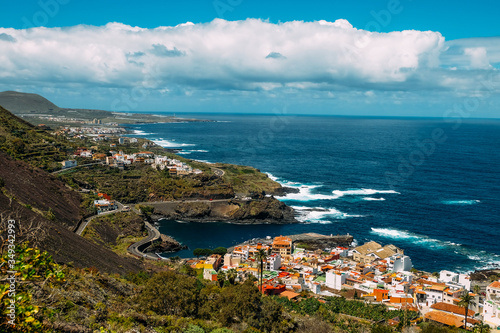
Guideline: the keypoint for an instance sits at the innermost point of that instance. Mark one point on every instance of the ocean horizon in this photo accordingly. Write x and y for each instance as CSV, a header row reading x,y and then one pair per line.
x,y
427,185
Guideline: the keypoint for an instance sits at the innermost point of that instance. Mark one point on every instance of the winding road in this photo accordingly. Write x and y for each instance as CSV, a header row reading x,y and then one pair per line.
x,y
153,234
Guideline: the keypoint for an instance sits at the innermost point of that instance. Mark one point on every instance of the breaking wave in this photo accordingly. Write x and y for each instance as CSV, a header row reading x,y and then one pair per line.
x,y
318,214
140,132
171,144
460,202
373,199
480,259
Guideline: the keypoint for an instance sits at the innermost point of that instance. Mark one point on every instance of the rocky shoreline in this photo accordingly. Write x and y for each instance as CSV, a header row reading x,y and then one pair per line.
x,y
266,210
313,241
165,244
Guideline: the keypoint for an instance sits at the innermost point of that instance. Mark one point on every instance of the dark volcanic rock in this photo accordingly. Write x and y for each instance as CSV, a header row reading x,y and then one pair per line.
x,y
167,244
265,210
282,191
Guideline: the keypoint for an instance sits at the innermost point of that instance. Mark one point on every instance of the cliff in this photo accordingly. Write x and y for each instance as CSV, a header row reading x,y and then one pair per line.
x,y
265,210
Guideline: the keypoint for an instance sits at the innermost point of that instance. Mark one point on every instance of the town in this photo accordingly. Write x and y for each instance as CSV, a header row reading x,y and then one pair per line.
x,y
100,153
370,272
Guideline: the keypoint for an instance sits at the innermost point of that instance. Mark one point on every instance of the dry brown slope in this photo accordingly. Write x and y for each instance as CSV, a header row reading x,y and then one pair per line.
x,y
24,185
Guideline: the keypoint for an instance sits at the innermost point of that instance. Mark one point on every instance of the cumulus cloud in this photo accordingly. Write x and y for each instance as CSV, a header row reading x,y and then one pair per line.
x,y
7,38
238,56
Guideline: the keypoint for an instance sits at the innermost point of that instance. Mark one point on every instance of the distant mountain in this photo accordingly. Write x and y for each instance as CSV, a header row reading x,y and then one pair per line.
x,y
18,102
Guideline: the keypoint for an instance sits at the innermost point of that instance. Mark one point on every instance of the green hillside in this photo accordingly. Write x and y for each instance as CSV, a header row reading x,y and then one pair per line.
x,y
26,142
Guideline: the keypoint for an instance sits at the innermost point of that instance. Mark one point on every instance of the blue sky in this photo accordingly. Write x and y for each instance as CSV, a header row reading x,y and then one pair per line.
x,y
328,57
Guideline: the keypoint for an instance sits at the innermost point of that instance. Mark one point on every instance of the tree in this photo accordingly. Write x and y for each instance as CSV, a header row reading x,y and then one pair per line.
x,y
465,301
261,256
482,328
198,252
221,277
231,275
220,250
170,293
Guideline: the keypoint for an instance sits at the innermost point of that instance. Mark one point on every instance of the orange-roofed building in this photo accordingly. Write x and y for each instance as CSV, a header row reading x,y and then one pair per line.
x,y
449,319
282,245
401,299
290,295
273,289
452,308
380,294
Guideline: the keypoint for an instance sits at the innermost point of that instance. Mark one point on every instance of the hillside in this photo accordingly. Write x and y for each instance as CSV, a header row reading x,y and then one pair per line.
x,y
19,102
26,142
47,212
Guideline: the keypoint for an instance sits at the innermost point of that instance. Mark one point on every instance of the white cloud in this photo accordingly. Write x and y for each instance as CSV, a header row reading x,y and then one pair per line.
x,y
218,55
324,60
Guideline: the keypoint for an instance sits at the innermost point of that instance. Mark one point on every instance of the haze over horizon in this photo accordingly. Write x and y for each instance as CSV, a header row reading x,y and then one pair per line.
x,y
387,58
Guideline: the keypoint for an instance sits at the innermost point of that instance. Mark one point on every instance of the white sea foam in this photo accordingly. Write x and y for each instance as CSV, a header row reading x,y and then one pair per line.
x,y
140,132
203,161
198,151
183,152
272,177
461,202
481,259
409,236
373,199
305,194
318,214
361,192
170,143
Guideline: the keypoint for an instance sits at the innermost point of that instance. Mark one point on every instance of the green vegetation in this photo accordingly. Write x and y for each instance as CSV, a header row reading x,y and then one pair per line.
x,y
116,231
23,141
246,180
141,183
202,252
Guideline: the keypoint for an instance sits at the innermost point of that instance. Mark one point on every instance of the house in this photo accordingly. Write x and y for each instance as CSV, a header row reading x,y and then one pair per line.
x,y
231,260
290,295
105,205
435,293
209,274
335,279
451,315
99,157
273,262
371,251
273,289
213,262
491,310
69,164
282,245
401,263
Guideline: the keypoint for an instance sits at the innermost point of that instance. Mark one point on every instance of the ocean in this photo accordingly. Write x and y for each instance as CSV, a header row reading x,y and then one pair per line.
x,y
429,186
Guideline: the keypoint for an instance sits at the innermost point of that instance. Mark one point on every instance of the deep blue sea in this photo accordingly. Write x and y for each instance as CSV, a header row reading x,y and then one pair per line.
x,y
429,186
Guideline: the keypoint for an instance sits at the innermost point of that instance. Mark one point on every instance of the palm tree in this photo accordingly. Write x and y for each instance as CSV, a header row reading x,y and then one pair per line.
x,y
221,277
482,328
465,301
231,275
261,256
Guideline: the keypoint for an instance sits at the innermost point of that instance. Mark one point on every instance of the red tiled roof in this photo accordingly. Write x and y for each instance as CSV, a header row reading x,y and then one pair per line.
x,y
452,308
495,284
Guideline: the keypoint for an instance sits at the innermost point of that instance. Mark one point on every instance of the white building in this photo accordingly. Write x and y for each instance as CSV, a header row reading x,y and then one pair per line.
x,y
273,262
491,310
335,280
455,280
402,263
